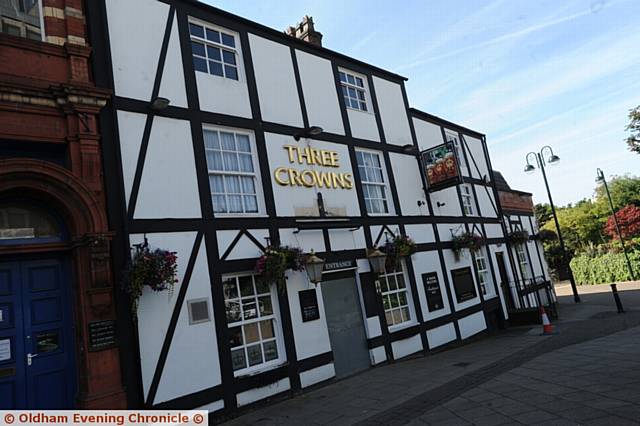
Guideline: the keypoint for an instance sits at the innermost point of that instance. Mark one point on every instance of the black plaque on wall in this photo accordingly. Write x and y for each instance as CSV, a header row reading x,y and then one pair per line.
x,y
463,284
309,305
433,292
102,335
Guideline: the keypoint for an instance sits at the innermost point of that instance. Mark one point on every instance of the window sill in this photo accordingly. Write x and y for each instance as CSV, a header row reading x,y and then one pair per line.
x,y
359,110
263,368
238,215
402,326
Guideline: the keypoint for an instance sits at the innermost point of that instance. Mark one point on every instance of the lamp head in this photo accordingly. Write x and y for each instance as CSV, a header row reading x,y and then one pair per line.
x,y
599,176
529,169
314,266
159,103
309,131
377,259
554,159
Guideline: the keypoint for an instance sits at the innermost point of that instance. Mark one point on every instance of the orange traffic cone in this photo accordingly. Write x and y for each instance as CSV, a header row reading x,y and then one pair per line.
x,y
547,327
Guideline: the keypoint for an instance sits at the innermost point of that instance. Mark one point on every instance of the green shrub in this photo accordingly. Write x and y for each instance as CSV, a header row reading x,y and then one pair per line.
x,y
604,268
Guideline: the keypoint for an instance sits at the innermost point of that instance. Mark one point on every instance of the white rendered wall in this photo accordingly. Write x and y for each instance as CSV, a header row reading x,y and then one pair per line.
x,y
476,150
319,88
448,196
130,129
317,375
408,184
256,394
472,324
441,335
135,59
244,247
425,262
406,347
363,124
168,187
486,201
427,134
277,89
393,112
347,239
172,83
421,233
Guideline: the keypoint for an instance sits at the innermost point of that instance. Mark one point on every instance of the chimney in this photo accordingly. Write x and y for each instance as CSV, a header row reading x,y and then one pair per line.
x,y
306,32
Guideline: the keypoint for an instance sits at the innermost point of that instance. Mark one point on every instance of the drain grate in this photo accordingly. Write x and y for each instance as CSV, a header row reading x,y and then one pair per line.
x,y
461,364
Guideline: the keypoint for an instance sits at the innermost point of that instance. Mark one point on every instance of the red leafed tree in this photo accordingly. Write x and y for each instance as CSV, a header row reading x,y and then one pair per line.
x,y
629,221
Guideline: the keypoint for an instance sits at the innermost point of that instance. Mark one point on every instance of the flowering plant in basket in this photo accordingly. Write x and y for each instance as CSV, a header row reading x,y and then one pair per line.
x,y
518,237
401,246
274,262
466,240
156,269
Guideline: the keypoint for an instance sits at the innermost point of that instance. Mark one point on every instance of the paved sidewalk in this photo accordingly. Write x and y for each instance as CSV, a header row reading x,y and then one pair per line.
x,y
534,378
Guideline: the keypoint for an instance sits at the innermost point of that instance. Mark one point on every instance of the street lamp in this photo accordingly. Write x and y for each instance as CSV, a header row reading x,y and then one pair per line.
x,y
552,159
601,179
307,132
314,266
377,260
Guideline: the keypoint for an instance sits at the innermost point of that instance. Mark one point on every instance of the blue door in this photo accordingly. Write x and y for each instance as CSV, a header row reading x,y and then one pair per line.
x,y
37,368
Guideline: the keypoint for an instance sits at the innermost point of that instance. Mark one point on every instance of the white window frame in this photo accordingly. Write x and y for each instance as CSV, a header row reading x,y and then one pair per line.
x,y
523,261
364,89
384,279
256,171
276,324
482,269
24,27
468,200
236,50
453,137
384,184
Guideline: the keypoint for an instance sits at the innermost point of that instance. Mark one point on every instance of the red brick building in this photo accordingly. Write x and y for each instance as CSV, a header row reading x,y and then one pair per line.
x,y
57,335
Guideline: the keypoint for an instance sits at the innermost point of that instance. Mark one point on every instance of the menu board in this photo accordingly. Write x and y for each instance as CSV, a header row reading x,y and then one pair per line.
x,y
440,166
463,284
309,305
433,292
102,335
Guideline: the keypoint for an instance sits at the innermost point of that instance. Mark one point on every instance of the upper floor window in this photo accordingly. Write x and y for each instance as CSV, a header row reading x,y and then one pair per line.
x,y
21,223
353,91
214,51
373,182
233,176
467,200
252,318
21,18
395,297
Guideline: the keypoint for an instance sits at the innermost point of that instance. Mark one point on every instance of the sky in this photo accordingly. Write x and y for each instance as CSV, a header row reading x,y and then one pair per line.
x,y
525,73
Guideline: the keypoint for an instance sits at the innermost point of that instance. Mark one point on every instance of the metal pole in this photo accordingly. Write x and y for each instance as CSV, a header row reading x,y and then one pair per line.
x,y
574,289
615,220
616,297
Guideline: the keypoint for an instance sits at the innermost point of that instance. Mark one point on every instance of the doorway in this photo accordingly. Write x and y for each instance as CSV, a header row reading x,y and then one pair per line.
x,y
345,323
504,281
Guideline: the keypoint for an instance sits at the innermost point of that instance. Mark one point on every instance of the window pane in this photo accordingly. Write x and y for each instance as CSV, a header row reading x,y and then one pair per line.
x,y
217,184
197,48
231,161
254,353
403,298
249,310
361,95
405,314
232,183
251,333
248,185
228,40
352,92
395,301
250,204
199,64
246,285
238,359
233,311
243,144
229,57
397,316
215,68
265,306
213,35
392,282
266,328
219,204
231,72
389,318
196,30
228,141
213,53
386,302
230,289
235,203
354,104
262,287
359,82
351,79
270,350
235,336
369,206
211,139
342,75
363,106
400,279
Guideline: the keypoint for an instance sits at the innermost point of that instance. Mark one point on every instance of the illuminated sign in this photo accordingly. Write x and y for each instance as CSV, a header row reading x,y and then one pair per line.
x,y
287,176
441,166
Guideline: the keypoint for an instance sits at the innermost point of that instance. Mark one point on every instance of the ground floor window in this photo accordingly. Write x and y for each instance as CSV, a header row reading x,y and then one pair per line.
x,y
252,318
523,262
395,297
483,271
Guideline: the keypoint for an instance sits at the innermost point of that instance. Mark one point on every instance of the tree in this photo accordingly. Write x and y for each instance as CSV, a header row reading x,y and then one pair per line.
x,y
634,127
629,221
624,190
543,213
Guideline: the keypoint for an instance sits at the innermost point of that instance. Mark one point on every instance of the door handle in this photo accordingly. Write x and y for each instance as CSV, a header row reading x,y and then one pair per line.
x,y
30,358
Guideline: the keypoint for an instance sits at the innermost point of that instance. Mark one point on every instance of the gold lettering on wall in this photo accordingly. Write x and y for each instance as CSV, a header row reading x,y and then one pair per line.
x,y
286,176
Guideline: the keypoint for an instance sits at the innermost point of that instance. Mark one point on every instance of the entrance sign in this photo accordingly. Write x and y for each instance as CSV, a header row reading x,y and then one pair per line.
x,y
433,292
441,166
287,176
339,265
102,335
5,349
309,305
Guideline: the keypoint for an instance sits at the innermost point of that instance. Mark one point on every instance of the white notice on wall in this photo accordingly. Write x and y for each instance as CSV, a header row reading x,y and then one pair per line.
x,y
5,349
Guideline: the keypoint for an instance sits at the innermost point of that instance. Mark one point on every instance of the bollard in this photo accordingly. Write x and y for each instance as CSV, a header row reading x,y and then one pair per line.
x,y
616,297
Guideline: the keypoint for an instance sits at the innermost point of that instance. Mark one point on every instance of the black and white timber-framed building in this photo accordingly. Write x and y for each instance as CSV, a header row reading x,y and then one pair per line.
x,y
218,174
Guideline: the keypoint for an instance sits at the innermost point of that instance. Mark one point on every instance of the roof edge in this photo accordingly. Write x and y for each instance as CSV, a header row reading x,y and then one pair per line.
x,y
434,118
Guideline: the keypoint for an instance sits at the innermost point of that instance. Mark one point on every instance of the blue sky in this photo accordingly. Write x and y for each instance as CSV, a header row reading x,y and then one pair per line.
x,y
525,73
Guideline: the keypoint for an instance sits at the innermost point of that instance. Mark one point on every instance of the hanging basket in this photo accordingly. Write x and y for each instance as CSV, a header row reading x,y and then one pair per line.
x,y
467,240
156,269
274,262
401,246
518,237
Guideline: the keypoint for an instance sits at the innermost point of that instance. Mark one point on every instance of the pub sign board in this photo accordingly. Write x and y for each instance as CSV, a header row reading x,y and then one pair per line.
x,y
433,292
102,335
309,305
440,166
463,284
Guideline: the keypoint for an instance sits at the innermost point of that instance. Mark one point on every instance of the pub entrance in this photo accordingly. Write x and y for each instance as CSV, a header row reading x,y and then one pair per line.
x,y
345,323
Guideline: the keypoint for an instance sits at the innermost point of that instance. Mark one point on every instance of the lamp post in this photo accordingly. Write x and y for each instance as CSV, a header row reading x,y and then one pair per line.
x,y
601,179
530,168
